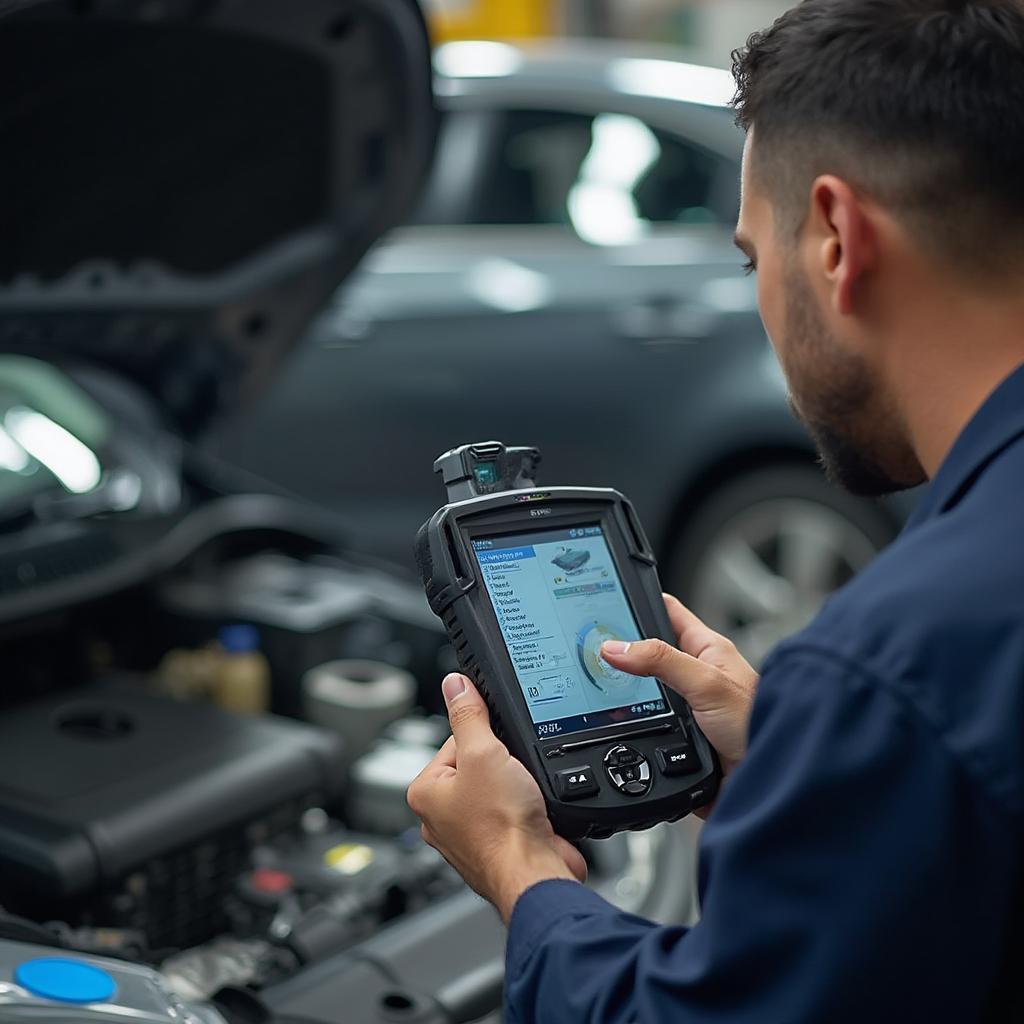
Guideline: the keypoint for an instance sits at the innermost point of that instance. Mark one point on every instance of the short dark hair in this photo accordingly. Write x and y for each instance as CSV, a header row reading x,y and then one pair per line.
x,y
918,102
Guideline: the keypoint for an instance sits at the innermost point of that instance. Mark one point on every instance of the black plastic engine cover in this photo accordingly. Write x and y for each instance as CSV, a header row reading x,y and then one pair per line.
x,y
140,811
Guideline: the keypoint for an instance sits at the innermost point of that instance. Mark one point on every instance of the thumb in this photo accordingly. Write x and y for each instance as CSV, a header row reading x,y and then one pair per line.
x,y
467,713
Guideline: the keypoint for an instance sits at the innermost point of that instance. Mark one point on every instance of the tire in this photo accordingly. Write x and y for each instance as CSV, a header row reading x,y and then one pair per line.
x,y
759,557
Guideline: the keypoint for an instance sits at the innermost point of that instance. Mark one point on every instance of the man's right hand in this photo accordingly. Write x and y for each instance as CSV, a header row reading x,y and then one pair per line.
x,y
713,677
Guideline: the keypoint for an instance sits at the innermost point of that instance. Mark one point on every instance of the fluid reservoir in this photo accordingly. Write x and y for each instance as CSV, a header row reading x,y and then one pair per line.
x,y
242,682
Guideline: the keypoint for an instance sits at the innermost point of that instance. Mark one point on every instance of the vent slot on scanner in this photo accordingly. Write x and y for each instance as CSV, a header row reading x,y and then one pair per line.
x,y
486,451
455,634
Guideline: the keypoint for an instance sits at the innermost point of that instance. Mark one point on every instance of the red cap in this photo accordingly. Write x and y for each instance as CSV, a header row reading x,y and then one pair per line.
x,y
271,881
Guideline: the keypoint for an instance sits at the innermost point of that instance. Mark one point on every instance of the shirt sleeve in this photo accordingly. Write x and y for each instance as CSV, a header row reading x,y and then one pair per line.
x,y
851,871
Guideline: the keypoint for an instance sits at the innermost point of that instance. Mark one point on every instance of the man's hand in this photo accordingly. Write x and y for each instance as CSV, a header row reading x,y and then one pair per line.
x,y
483,811
707,670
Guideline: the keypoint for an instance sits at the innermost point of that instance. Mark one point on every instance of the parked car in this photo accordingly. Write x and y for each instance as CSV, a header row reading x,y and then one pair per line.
x,y
569,281
183,186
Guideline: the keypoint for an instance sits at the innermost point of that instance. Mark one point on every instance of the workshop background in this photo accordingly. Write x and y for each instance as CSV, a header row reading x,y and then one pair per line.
x,y
709,29
568,280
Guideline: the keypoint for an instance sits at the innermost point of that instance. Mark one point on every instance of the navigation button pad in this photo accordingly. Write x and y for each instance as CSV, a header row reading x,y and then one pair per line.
x,y
628,770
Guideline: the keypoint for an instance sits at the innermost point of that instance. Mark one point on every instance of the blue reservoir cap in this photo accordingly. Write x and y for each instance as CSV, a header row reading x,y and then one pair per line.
x,y
65,981
240,639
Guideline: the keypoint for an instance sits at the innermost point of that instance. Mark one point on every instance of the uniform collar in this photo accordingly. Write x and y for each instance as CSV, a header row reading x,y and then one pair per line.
x,y
995,426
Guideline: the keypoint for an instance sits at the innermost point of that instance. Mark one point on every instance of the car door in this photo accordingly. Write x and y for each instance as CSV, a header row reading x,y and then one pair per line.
x,y
564,287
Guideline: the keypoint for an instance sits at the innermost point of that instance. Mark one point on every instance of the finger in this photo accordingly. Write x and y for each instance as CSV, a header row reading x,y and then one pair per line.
x,y
705,688
418,795
467,714
574,860
700,641
442,763
693,634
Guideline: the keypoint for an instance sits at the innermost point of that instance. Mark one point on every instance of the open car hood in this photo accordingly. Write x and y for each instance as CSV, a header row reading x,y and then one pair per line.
x,y
183,183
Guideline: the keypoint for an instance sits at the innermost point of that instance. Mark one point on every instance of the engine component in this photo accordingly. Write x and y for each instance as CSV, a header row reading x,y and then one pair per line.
x,y
198,974
357,699
378,781
124,809
444,966
308,613
321,893
242,683
36,985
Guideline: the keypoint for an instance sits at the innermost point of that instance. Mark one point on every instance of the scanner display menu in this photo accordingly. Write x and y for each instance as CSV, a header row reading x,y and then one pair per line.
x,y
558,597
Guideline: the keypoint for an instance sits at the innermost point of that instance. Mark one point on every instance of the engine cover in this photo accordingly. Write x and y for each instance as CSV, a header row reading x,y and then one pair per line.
x,y
120,808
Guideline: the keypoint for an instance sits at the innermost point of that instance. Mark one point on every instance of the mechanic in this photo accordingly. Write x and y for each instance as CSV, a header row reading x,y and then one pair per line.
x,y
864,860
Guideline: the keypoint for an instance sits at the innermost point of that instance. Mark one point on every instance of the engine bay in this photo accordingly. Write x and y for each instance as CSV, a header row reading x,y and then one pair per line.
x,y
205,742
211,705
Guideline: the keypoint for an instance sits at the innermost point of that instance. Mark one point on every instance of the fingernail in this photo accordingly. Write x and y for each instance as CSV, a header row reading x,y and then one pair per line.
x,y
453,686
614,647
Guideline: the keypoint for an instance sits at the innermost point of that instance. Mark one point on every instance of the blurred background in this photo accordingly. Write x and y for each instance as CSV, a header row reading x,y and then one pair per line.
x,y
709,29
568,280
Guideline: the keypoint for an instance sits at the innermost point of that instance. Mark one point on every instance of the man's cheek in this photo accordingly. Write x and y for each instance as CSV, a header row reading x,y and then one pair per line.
x,y
768,304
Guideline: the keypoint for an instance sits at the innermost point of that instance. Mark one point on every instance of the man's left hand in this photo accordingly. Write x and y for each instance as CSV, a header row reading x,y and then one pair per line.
x,y
483,811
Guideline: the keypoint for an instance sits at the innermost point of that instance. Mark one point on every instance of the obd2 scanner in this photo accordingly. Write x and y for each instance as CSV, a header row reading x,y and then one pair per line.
x,y
529,583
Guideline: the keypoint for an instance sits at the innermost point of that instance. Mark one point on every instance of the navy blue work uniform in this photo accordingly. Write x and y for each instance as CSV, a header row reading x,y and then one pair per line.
x,y
864,862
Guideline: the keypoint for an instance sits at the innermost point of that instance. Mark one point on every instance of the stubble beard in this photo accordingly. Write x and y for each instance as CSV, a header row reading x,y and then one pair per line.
x,y
860,442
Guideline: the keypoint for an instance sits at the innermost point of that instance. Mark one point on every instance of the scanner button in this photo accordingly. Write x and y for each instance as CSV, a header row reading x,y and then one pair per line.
x,y
576,783
622,757
629,771
678,760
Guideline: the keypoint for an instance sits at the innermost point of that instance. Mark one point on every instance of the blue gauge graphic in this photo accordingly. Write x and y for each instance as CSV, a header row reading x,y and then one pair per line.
x,y
588,649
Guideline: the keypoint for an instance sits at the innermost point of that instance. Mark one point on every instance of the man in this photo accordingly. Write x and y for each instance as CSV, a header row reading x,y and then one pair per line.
x,y
864,860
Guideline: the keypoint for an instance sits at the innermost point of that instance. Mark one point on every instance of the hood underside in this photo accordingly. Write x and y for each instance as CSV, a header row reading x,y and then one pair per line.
x,y
183,183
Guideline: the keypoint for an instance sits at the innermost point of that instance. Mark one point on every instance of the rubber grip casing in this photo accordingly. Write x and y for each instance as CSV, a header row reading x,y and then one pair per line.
x,y
453,585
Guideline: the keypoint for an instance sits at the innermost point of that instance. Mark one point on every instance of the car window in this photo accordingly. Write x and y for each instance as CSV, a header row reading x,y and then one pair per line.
x,y
463,141
609,176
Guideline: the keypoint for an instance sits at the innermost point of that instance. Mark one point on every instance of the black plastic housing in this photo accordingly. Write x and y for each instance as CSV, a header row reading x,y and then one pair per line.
x,y
451,576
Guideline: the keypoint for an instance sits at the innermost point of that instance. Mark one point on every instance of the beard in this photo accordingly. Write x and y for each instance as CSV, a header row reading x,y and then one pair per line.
x,y
861,442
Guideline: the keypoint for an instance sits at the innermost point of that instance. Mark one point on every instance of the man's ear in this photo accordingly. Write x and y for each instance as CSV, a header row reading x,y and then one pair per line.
x,y
844,240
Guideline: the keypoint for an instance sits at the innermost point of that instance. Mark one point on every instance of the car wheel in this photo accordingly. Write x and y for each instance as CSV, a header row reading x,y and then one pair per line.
x,y
759,557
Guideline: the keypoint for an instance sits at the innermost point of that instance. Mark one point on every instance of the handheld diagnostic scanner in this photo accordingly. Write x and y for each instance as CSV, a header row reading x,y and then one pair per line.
x,y
529,582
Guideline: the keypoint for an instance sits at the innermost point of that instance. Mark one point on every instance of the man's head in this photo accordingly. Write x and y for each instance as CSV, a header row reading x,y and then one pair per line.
x,y
885,155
